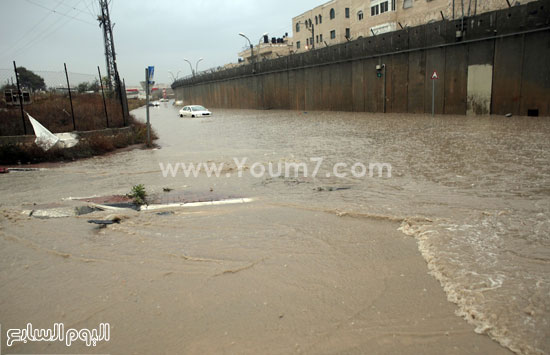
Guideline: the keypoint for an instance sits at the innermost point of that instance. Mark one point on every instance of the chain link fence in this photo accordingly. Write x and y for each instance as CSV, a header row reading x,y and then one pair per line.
x,y
61,101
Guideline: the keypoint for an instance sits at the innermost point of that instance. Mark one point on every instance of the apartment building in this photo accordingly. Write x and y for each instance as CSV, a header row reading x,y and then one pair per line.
x,y
269,49
326,24
337,21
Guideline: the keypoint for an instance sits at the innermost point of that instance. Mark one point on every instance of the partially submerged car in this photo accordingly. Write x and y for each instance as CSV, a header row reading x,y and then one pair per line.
x,y
194,111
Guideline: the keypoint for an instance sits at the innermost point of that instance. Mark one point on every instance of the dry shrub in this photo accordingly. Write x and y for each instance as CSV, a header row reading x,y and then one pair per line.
x,y
95,145
54,112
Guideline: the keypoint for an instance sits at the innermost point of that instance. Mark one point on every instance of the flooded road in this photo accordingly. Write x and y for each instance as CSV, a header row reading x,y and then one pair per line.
x,y
316,264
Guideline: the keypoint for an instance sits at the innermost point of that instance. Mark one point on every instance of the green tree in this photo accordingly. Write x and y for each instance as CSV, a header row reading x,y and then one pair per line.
x,y
30,80
94,86
83,87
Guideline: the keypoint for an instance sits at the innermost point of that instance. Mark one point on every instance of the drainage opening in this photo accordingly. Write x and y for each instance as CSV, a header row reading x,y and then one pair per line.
x,y
533,113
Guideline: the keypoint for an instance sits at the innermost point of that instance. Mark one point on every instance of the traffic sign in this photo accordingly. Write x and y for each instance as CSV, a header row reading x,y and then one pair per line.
x,y
151,74
435,76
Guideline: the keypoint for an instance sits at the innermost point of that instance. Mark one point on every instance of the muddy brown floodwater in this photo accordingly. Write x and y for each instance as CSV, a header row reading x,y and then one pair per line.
x,y
449,254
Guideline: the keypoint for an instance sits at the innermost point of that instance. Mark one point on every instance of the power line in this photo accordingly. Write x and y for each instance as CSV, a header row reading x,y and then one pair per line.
x,y
35,26
53,28
61,14
80,10
90,11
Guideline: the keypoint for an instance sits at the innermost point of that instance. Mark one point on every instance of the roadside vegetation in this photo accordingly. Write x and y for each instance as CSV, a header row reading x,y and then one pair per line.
x,y
11,154
53,111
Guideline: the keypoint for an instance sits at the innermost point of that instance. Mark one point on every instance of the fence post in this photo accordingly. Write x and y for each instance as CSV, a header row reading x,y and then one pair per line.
x,y
70,96
126,108
20,95
103,93
119,85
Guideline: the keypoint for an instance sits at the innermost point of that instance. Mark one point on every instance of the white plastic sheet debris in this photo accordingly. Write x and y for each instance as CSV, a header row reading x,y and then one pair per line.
x,y
67,140
46,139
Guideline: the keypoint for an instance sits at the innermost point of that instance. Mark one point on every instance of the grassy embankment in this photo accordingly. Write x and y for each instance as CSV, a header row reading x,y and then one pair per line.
x,y
54,113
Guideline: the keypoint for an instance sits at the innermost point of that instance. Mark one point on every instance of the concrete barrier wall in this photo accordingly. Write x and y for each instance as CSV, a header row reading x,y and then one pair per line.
x,y
499,66
29,140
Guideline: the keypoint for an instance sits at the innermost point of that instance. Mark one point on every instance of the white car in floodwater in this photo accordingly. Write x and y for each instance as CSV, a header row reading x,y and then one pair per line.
x,y
194,111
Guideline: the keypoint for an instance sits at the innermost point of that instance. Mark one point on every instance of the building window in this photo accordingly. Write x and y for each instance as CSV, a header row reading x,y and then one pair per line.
x,y
317,39
310,24
297,27
332,34
407,4
374,10
307,41
348,35
360,15
320,19
316,20
332,14
347,12
298,45
382,8
321,38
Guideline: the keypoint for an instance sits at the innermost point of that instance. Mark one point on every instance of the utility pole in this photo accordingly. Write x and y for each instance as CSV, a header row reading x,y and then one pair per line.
x,y
110,54
113,81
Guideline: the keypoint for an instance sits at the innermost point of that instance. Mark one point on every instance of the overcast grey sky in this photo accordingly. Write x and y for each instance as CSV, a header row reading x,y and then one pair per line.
x,y
153,32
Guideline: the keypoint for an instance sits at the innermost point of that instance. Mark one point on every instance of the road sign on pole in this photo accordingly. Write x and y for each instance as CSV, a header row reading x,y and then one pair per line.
x,y
151,71
435,76
148,79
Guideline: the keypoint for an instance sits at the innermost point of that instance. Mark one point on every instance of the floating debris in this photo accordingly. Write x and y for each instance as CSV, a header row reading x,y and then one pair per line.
x,y
168,213
54,213
25,169
103,222
83,210
332,188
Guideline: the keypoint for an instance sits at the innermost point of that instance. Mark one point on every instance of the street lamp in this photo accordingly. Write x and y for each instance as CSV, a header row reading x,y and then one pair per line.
x,y
176,77
259,47
194,71
251,47
311,29
197,65
191,65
